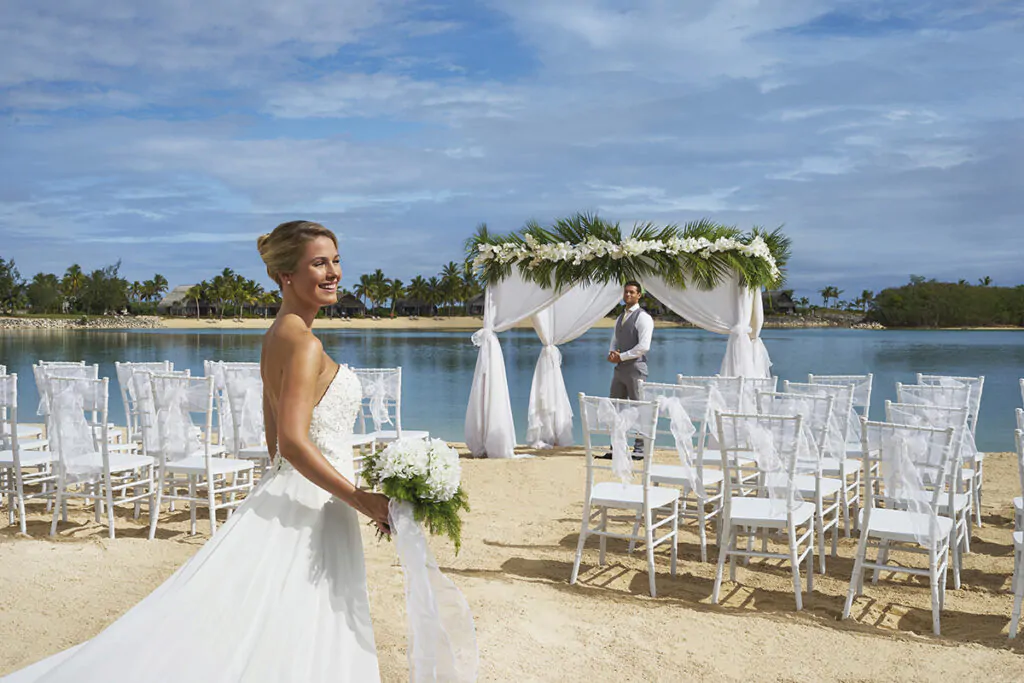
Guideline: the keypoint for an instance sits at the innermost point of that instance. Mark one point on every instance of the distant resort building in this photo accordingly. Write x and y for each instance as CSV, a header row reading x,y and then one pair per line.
x,y
348,306
411,307
475,306
779,302
177,302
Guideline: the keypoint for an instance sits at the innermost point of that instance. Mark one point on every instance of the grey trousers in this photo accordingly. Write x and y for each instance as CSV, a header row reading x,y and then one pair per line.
x,y
626,382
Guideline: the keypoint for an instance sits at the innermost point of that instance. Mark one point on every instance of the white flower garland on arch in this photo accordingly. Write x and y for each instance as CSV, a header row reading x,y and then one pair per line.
x,y
535,253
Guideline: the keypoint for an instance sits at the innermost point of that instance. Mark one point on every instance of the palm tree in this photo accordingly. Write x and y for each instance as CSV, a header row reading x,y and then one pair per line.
x,y
419,290
222,289
378,288
160,286
436,294
866,297
135,292
73,281
470,285
197,292
268,299
451,283
829,292
985,281
249,293
364,289
395,291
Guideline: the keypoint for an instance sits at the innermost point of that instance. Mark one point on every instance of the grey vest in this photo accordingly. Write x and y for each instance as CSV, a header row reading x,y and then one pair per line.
x,y
626,337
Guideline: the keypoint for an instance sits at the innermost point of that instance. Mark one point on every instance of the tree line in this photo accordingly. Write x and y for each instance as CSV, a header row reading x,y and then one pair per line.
x,y
104,291
99,292
929,303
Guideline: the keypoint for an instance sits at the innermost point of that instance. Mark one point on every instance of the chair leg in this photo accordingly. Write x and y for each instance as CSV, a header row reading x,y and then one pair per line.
x,y
211,499
723,551
1018,593
579,545
110,508
58,505
192,504
603,545
858,573
19,486
819,522
649,538
795,563
636,532
954,541
844,504
701,529
154,503
883,558
675,536
933,580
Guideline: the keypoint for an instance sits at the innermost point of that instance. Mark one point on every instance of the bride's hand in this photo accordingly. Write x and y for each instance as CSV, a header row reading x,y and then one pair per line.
x,y
374,506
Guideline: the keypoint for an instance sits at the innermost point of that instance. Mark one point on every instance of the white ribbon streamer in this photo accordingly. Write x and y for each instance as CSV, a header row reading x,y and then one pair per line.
x,y
379,387
905,486
442,638
682,430
776,478
618,422
75,442
175,399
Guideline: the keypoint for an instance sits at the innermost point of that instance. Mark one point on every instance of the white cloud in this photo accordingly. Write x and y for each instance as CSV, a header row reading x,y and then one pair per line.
x,y
877,149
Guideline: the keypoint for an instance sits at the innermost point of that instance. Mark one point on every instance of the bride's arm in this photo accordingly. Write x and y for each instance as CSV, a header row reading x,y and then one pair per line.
x,y
295,404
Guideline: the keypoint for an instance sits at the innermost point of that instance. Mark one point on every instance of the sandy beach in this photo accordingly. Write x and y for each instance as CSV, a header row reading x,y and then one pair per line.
x,y
533,626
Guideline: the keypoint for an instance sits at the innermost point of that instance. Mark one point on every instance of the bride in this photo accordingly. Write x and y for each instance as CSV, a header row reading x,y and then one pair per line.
x,y
279,593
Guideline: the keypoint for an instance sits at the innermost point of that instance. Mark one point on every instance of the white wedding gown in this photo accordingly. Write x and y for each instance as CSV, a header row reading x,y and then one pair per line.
x,y
278,595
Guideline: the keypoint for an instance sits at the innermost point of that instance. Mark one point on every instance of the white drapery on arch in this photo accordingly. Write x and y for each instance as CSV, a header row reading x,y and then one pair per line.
x,y
730,308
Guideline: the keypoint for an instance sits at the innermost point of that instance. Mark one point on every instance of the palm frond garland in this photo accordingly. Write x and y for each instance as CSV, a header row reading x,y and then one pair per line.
x,y
583,249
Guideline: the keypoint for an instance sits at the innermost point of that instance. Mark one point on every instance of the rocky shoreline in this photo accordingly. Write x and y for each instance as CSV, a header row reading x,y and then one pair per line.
x,y
114,322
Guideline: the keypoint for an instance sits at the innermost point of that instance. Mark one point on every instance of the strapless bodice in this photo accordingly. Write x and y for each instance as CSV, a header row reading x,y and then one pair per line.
x,y
333,420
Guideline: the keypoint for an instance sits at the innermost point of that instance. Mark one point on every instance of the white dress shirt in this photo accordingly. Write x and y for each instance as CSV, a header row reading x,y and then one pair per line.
x,y
645,329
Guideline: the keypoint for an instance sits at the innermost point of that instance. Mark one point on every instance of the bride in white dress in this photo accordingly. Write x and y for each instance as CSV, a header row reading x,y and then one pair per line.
x,y
278,595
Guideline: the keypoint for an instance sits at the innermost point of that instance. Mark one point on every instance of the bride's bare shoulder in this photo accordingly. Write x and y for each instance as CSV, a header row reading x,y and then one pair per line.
x,y
288,338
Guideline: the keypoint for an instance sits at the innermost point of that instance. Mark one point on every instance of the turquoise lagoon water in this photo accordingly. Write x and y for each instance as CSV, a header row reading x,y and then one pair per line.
x,y
438,365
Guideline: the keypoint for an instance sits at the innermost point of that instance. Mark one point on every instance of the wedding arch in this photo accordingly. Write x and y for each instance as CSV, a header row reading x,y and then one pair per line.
x,y
568,276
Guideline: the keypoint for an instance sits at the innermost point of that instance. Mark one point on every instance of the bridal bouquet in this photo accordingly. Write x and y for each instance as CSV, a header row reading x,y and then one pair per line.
x,y
424,473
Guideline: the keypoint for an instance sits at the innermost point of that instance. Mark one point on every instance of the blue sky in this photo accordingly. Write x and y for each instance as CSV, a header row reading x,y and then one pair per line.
x,y
887,137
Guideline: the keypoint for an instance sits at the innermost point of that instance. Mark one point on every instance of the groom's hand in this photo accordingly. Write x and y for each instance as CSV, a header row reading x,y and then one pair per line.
x,y
613,357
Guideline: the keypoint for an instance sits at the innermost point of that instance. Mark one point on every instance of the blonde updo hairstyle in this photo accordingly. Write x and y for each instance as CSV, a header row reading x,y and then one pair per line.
x,y
282,248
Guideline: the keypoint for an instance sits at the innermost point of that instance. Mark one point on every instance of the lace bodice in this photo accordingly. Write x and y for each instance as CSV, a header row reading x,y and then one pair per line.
x,y
333,420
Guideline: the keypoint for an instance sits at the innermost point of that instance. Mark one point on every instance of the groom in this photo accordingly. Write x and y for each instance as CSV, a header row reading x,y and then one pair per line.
x,y
631,340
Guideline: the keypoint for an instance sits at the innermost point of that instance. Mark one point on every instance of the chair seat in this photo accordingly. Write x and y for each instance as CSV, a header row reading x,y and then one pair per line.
x,y
713,456
30,458
196,464
27,431
899,525
674,474
763,512
254,453
1018,504
1018,539
615,495
960,501
119,462
830,466
806,485
392,435
32,444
